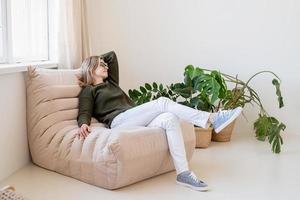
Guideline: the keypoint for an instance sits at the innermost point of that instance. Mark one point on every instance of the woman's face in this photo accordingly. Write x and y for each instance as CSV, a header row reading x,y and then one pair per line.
x,y
102,70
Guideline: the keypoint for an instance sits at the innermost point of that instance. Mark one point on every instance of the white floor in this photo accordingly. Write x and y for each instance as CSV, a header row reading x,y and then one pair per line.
x,y
241,169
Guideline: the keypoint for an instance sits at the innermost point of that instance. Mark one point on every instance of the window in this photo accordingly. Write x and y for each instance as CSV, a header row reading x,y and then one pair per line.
x,y
2,31
24,31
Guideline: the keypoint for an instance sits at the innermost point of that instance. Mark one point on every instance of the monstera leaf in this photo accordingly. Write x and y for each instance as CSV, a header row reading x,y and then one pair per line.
x,y
269,127
278,92
208,85
223,87
190,73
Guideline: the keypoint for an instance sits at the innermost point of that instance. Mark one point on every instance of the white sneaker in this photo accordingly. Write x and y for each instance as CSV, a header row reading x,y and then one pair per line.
x,y
223,118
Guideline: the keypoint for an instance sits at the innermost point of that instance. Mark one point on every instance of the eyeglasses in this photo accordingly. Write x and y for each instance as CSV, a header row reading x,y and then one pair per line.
x,y
103,64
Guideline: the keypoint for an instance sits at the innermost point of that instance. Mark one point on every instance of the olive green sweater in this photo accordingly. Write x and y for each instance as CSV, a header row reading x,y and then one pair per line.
x,y
105,100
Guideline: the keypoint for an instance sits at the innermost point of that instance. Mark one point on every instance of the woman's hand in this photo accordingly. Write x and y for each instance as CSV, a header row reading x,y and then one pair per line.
x,y
83,131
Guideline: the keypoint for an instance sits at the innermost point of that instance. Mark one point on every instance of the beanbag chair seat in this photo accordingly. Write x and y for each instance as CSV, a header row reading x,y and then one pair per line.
x,y
108,158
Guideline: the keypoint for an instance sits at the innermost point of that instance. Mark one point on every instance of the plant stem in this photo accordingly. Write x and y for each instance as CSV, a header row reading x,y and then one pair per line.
x,y
245,85
261,73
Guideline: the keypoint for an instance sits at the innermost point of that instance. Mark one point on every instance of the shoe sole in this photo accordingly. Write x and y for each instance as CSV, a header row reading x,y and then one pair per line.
x,y
202,189
8,187
233,117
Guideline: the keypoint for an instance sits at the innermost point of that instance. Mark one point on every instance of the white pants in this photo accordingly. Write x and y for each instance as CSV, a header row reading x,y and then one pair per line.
x,y
164,113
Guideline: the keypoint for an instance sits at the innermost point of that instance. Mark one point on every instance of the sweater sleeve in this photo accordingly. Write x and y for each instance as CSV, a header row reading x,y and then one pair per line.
x,y
86,103
113,68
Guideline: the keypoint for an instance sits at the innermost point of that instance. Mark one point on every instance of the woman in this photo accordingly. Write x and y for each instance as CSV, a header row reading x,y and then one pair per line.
x,y
103,99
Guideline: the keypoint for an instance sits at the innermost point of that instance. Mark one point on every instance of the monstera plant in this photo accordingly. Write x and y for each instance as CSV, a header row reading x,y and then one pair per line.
x,y
199,90
266,126
207,90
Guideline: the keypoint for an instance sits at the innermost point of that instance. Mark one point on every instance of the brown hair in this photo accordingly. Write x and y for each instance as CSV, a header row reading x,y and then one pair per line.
x,y
87,67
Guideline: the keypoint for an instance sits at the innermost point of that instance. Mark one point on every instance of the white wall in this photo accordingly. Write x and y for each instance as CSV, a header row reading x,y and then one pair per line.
x,y
156,39
14,152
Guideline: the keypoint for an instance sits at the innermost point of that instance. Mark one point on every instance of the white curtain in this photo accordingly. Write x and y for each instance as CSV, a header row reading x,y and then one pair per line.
x,y
72,33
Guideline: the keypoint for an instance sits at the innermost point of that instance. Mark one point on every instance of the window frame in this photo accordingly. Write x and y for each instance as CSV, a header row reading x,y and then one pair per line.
x,y
7,39
4,31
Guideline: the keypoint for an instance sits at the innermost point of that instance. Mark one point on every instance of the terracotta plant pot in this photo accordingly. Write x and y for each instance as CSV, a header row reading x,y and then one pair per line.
x,y
224,135
203,137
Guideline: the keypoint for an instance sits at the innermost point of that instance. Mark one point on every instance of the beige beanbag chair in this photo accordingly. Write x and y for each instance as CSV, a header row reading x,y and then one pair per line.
x,y
108,158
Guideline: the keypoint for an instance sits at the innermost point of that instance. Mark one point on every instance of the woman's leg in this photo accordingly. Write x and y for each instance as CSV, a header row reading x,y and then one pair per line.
x,y
164,113
143,114
170,123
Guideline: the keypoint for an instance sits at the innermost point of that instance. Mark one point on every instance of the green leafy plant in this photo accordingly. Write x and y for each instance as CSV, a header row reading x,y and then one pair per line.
x,y
266,126
150,92
207,90
199,90
269,127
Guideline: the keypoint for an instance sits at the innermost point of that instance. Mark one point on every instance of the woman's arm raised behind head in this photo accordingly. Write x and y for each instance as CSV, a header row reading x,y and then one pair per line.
x,y
113,68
